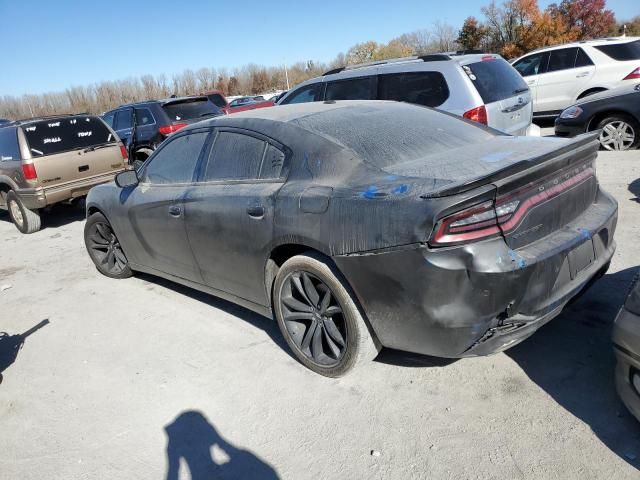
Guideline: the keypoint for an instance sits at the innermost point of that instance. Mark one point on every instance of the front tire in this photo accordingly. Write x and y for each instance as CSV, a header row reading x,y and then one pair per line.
x,y
319,318
104,248
619,133
25,220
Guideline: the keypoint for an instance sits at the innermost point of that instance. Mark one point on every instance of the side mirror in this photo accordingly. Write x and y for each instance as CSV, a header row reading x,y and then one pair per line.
x,y
128,178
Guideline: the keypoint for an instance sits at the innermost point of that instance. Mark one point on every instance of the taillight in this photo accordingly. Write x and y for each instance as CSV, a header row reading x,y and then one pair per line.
x,y
123,152
478,114
489,219
169,129
633,75
29,171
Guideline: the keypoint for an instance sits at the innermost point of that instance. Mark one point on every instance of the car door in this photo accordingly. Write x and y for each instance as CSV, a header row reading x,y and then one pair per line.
x,y
123,125
156,206
531,67
230,211
558,87
145,127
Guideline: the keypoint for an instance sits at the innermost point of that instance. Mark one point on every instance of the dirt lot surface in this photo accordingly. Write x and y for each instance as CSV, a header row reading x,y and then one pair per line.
x,y
141,379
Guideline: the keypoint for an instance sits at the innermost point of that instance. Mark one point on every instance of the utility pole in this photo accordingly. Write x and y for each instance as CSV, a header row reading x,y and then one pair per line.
x,y
286,74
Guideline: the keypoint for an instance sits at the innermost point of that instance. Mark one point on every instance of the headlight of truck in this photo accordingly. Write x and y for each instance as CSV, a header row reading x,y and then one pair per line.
x,y
571,112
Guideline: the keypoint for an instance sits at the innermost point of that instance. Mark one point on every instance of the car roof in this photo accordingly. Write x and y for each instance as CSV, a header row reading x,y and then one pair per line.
x,y
593,43
164,101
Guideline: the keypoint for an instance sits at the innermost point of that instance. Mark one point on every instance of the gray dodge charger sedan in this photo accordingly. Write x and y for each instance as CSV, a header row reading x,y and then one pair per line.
x,y
364,224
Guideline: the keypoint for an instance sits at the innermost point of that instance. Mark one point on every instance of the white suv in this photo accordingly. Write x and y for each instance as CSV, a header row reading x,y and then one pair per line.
x,y
480,87
559,75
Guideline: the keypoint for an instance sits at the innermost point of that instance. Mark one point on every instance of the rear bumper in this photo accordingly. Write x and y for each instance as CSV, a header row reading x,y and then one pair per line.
x,y
626,343
480,298
40,197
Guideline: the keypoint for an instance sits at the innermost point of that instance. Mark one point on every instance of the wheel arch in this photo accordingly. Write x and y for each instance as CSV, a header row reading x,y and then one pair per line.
x,y
599,116
591,91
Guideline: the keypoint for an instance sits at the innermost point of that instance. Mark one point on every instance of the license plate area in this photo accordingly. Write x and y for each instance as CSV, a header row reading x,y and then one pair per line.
x,y
581,258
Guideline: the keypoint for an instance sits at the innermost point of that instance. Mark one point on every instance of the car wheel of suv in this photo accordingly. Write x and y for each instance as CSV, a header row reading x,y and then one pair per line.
x,y
104,248
619,132
319,318
27,221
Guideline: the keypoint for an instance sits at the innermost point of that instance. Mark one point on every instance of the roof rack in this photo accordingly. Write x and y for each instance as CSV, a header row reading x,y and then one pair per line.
x,y
425,58
472,51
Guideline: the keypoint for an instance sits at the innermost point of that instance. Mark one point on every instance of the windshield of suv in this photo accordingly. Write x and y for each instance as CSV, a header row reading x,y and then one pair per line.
x,y
190,109
495,79
621,51
57,135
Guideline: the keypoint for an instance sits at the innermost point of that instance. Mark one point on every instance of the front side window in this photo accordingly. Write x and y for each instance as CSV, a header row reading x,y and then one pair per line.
x,y
176,161
532,65
308,93
234,156
562,59
351,89
423,88
123,119
144,117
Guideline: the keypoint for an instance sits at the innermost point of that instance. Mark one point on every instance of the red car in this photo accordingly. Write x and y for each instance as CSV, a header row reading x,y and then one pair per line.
x,y
237,105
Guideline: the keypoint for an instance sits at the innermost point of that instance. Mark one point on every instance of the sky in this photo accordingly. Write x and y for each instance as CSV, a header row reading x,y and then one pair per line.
x,y
52,45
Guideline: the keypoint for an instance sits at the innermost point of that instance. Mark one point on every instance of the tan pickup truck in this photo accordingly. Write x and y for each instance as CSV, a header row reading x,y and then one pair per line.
x,y
48,160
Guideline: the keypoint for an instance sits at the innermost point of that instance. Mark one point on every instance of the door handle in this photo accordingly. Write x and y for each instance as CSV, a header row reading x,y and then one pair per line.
x,y
175,211
256,211
583,74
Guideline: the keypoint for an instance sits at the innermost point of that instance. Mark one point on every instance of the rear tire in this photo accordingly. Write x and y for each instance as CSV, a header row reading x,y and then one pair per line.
x,y
25,220
318,317
104,248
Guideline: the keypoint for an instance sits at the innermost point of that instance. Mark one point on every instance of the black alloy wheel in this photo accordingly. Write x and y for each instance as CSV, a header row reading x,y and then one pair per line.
x,y
105,249
314,318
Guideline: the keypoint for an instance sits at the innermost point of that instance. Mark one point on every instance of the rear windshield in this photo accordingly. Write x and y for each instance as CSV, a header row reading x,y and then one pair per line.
x,y
394,133
57,135
495,79
622,51
190,109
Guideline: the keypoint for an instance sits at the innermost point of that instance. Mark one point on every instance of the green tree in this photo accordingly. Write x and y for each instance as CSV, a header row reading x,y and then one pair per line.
x,y
471,34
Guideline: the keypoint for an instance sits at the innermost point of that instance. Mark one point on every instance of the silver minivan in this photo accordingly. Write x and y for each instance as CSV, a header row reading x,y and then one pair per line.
x,y
480,87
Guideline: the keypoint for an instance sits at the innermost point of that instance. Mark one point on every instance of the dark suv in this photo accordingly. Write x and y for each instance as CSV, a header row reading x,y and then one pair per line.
x,y
143,126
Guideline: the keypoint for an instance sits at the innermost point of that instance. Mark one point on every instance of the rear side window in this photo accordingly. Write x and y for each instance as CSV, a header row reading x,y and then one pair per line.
x,y
622,51
190,109
424,88
57,135
562,59
9,150
123,119
234,156
272,163
495,79
351,89
308,93
176,161
217,100
144,117
583,60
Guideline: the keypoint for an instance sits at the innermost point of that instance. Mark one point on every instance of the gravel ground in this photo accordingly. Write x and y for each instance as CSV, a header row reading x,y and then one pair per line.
x,y
142,379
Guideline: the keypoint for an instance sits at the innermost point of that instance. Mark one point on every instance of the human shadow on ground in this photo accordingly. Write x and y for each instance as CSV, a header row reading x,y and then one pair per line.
x,y
571,358
207,454
10,345
634,188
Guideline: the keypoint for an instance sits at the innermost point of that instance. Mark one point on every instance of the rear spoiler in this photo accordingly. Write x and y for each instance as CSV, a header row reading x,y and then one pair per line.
x,y
579,143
